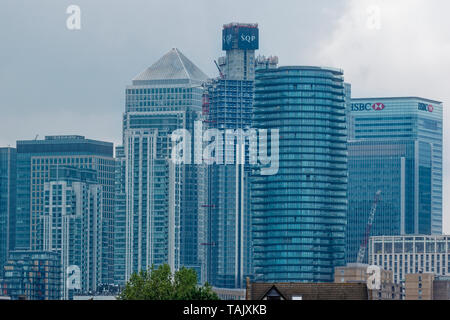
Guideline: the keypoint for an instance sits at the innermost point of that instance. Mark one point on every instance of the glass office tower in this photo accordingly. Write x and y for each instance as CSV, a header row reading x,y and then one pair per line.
x,y
162,207
7,202
71,225
229,209
395,146
35,160
229,106
299,214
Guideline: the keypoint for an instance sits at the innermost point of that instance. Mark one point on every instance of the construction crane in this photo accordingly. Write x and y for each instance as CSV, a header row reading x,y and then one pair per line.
x,y
363,247
220,70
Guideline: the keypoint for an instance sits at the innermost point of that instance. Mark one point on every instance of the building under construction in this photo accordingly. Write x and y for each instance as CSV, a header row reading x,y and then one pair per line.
x,y
228,104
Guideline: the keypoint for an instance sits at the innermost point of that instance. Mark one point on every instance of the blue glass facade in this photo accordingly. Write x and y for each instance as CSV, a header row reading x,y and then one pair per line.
x,y
7,202
229,233
162,208
299,214
230,107
387,166
32,275
119,218
395,145
35,160
71,225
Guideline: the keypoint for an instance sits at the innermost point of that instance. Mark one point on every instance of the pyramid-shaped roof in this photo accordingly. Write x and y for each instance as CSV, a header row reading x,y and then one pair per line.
x,y
172,66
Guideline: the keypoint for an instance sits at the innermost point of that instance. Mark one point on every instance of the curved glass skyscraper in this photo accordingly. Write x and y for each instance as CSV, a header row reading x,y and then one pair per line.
x,y
299,214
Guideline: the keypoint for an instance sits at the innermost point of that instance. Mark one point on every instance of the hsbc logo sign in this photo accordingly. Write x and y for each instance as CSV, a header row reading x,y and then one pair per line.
x,y
426,107
378,106
367,106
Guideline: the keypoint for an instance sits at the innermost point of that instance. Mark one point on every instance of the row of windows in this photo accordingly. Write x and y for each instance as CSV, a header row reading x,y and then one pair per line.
x,y
158,90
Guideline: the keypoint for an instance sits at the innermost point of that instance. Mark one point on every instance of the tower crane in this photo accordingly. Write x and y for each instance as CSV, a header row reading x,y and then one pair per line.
x,y
220,70
373,210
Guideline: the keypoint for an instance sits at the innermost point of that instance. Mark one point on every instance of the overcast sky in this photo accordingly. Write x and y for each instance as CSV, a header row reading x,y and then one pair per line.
x,y
57,81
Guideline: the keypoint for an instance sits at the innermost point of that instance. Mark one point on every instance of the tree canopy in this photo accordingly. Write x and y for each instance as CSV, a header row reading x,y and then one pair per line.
x,y
160,284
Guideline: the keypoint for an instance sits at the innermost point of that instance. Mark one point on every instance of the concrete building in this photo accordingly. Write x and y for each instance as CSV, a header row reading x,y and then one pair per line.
x,y
239,40
441,288
426,286
395,146
358,273
411,254
419,286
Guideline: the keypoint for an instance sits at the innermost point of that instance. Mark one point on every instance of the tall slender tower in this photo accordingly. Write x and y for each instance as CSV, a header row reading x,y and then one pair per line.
x,y
230,108
71,225
162,211
299,213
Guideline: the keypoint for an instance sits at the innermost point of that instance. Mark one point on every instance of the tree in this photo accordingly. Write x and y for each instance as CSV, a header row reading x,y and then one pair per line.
x,y
160,284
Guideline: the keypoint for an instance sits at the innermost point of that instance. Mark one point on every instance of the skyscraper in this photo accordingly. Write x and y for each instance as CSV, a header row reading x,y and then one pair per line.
x,y
35,161
71,225
162,210
299,213
395,146
119,218
229,106
7,202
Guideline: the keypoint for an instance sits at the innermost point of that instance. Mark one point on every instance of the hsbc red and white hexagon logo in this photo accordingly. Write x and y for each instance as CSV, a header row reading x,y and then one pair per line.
x,y
378,106
426,107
